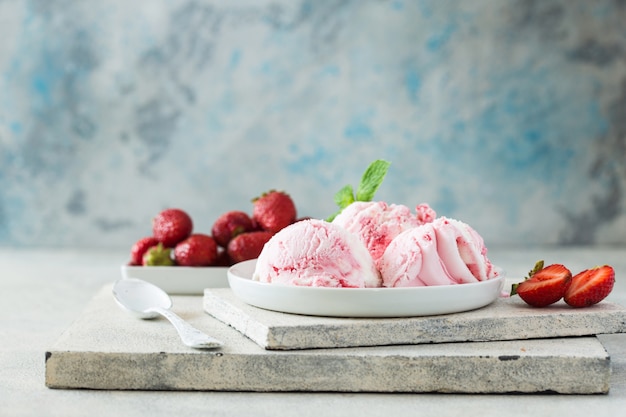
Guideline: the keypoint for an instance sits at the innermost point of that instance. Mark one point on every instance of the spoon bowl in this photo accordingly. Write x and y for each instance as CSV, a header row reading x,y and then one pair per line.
x,y
146,301
138,296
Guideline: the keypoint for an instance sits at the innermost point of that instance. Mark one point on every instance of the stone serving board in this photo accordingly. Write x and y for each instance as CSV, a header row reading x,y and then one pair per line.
x,y
504,319
107,348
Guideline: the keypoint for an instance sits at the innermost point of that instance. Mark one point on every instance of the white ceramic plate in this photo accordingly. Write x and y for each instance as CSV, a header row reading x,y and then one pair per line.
x,y
361,302
180,279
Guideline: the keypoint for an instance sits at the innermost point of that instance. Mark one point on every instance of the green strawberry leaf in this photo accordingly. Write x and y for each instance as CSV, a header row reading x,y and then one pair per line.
x,y
538,267
371,180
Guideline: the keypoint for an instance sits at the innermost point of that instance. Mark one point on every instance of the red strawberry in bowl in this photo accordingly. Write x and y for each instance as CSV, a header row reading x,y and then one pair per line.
x,y
544,285
222,258
158,255
247,246
273,211
590,286
171,226
229,225
197,250
140,248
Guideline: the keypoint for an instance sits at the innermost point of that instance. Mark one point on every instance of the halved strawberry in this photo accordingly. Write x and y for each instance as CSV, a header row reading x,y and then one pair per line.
x,y
590,286
544,286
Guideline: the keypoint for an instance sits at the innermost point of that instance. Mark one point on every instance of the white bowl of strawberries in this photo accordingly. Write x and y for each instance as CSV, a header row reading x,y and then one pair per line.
x,y
183,261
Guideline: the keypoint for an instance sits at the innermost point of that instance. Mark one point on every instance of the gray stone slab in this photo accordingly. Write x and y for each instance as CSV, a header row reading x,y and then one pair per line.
x,y
106,348
505,319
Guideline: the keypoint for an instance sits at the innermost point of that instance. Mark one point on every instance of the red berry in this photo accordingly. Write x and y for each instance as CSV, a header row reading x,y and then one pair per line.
x,y
544,286
197,250
229,225
273,211
590,286
139,249
222,258
171,226
247,245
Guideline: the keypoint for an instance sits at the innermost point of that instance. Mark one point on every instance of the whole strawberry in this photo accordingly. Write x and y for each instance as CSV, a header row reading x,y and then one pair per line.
x,y
590,286
222,258
229,225
139,249
171,226
158,255
197,250
273,211
543,286
247,245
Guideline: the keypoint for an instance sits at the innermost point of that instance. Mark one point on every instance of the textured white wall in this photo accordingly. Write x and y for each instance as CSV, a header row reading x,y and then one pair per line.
x,y
510,116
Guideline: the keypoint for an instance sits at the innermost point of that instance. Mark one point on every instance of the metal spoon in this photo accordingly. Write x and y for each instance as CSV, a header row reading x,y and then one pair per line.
x,y
147,301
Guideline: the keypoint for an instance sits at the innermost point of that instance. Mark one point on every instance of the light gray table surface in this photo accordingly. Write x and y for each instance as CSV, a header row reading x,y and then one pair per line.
x,y
44,291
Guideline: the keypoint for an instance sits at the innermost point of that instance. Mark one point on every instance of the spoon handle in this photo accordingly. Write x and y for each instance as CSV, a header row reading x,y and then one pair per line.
x,y
190,336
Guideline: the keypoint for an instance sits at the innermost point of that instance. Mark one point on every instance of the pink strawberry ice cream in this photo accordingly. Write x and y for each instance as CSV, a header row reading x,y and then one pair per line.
x,y
316,253
377,223
443,252
373,244
424,213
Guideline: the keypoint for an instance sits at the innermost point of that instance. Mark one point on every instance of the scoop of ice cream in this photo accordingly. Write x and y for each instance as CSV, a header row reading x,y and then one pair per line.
x,y
376,223
445,251
316,253
461,248
425,214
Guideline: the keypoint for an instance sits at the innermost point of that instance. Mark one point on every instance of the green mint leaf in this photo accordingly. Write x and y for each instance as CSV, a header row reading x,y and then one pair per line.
x,y
332,217
344,197
371,180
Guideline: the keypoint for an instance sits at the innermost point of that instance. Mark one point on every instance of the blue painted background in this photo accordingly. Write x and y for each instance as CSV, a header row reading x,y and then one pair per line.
x,y
509,115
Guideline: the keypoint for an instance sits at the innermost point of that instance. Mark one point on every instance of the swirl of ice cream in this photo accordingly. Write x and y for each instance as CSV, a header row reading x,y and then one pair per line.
x,y
316,253
376,223
445,251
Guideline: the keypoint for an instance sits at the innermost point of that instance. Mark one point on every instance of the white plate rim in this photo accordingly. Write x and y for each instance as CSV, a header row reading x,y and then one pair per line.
x,y
362,302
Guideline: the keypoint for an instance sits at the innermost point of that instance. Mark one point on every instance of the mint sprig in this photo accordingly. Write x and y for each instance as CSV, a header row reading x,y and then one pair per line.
x,y
370,181
345,196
